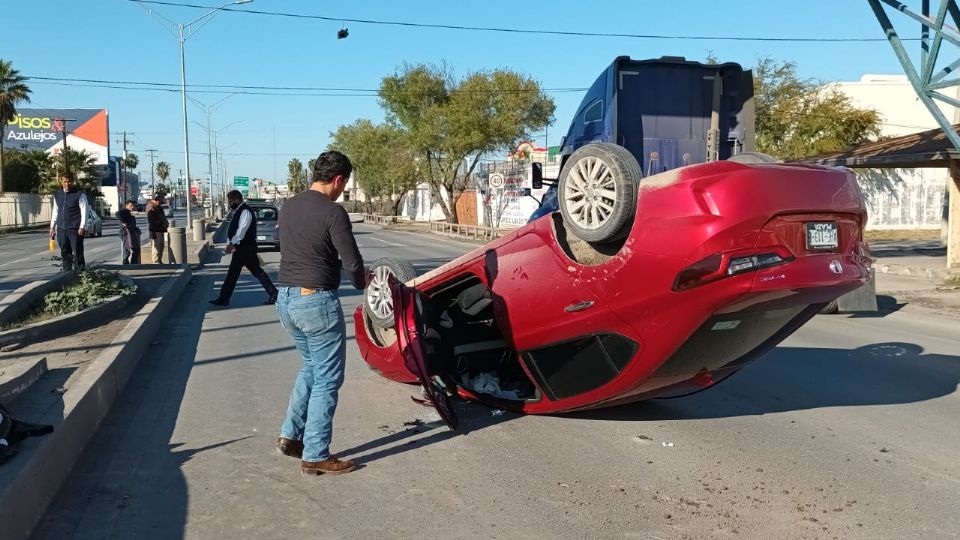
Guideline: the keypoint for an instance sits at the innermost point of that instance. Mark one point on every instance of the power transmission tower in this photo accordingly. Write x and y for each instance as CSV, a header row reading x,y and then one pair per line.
x,y
153,183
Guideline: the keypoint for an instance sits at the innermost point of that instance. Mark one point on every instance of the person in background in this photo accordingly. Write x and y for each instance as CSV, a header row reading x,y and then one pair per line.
x,y
129,233
242,242
157,225
69,221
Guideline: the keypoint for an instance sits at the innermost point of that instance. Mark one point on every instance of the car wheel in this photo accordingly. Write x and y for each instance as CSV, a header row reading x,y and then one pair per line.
x,y
377,297
598,192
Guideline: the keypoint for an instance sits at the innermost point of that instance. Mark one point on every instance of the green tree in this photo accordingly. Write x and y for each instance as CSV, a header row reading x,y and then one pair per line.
x,y
163,170
161,190
83,165
384,160
296,183
13,91
799,117
451,123
130,161
26,172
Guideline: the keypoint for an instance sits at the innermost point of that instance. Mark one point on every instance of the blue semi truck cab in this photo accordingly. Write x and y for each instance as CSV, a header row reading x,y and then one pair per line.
x,y
666,112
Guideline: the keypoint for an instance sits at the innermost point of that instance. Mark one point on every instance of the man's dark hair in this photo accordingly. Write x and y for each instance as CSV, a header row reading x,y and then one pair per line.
x,y
130,201
69,175
329,165
235,194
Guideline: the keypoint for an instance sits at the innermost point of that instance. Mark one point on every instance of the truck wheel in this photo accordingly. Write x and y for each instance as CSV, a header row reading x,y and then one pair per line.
x,y
598,192
377,297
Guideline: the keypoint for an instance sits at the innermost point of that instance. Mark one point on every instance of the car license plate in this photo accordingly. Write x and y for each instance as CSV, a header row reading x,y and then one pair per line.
x,y
822,235
261,237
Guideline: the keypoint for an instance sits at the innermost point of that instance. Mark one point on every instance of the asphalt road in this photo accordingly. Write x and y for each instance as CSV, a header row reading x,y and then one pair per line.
x,y
848,430
25,256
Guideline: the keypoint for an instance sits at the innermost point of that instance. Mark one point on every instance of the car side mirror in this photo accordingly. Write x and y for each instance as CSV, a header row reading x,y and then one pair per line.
x,y
536,175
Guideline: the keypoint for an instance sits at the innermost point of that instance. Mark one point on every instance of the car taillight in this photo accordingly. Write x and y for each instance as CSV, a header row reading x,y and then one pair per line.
x,y
720,265
740,265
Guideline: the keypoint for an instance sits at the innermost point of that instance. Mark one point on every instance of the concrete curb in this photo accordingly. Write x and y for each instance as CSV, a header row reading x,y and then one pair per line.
x,y
915,271
19,376
85,405
22,299
69,323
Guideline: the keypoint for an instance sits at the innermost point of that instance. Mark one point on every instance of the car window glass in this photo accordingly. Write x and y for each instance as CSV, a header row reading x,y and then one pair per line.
x,y
594,112
264,213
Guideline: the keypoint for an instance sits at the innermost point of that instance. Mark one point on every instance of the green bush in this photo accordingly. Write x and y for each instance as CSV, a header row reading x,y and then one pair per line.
x,y
92,287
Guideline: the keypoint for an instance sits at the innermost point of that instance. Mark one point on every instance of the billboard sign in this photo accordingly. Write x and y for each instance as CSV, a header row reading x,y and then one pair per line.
x,y
242,183
42,129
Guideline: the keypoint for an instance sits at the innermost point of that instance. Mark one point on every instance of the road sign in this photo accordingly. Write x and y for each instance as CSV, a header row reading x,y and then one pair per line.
x,y
496,180
241,181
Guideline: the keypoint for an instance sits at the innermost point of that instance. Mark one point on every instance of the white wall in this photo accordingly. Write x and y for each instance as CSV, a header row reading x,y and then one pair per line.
x,y
900,198
20,209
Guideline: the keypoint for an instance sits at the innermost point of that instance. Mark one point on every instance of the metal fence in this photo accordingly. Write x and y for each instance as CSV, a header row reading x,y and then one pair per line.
x,y
468,231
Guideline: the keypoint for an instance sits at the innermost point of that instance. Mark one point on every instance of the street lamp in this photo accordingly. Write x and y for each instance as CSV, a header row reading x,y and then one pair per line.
x,y
182,37
211,143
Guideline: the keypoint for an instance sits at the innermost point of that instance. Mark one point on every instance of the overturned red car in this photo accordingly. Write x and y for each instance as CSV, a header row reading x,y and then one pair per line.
x,y
639,286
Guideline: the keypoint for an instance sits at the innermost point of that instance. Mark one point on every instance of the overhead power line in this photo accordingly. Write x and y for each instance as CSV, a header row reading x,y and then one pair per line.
x,y
525,30
243,89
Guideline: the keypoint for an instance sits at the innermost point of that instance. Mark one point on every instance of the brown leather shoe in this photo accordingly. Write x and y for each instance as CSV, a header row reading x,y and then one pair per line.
x,y
331,465
290,447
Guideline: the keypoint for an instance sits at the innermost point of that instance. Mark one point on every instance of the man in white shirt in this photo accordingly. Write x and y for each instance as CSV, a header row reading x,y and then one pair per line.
x,y
242,238
69,222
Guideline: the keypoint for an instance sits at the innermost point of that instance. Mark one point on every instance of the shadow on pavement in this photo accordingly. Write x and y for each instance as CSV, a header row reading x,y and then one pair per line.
x,y
796,379
472,417
128,482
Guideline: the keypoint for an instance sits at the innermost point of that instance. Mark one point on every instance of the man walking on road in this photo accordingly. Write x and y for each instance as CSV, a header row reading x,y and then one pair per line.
x,y
69,221
242,238
317,243
157,224
129,234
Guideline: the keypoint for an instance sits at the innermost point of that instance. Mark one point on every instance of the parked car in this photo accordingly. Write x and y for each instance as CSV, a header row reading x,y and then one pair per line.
x,y
268,228
95,224
636,285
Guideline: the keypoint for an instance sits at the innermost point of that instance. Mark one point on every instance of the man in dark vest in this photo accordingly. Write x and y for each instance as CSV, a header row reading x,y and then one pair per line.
x,y
69,221
242,242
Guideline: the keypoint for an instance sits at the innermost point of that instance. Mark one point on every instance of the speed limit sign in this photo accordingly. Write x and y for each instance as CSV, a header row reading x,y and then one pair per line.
x,y
496,180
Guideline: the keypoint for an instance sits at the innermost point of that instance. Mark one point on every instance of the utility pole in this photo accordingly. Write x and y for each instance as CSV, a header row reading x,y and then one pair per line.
x,y
123,167
153,184
60,124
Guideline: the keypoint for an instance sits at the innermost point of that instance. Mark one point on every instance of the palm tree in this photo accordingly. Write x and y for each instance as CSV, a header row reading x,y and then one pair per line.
x,y
163,170
295,181
13,90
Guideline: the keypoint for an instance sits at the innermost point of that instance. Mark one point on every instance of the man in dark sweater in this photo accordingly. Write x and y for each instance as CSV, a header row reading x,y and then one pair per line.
x,y
317,244
242,238
69,221
157,225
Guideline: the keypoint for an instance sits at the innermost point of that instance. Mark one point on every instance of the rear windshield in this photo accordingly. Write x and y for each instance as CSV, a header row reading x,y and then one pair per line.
x,y
264,213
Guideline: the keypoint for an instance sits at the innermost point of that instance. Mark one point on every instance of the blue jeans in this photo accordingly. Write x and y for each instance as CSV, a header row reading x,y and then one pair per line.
x,y
315,322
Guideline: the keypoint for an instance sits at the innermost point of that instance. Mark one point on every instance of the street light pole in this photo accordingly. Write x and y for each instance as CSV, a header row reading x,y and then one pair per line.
x,y
186,130
184,31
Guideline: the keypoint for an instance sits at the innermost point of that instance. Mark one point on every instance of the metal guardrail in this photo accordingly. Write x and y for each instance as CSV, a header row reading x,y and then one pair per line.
x,y
377,218
468,231
444,228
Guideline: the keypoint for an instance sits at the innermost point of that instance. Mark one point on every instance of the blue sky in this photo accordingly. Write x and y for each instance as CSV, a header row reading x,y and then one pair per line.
x,y
119,40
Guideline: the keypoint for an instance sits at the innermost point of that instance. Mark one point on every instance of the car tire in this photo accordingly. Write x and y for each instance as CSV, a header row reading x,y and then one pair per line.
x,y
597,206
377,297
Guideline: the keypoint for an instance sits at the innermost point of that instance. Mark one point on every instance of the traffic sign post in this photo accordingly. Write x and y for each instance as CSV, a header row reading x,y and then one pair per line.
x,y
242,183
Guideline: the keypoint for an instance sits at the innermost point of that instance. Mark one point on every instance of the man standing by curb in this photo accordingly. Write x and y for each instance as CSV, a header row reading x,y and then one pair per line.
x,y
317,242
69,221
242,238
157,225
